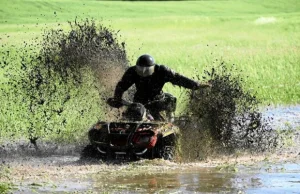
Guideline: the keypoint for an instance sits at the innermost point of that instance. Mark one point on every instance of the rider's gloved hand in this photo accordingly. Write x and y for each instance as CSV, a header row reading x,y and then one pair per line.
x,y
199,90
204,85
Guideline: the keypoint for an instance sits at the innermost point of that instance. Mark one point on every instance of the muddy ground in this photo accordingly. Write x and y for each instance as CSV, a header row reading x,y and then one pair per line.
x,y
59,169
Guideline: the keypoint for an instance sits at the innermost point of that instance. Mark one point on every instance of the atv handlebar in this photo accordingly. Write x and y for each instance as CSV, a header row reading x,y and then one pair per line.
x,y
118,103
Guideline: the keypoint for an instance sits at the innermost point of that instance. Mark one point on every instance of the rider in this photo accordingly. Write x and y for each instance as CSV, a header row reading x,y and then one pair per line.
x,y
149,79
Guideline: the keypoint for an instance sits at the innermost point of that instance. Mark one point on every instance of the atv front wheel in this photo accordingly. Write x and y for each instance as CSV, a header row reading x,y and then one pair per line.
x,y
168,152
167,149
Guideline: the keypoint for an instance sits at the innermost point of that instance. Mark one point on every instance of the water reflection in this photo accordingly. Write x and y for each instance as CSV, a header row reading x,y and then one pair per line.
x,y
280,178
261,177
188,181
282,115
283,178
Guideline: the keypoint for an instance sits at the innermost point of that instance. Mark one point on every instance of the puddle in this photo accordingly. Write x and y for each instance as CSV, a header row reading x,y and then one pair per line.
x,y
190,181
283,115
263,177
63,187
280,178
211,180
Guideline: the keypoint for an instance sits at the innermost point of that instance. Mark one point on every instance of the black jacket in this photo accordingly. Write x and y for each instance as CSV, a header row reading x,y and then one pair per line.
x,y
150,87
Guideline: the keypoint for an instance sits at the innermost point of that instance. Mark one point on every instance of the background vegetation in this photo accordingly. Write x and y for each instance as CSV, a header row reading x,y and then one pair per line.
x,y
261,38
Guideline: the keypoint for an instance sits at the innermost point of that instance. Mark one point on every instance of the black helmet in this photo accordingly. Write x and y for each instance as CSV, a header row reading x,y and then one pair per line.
x,y
145,61
145,65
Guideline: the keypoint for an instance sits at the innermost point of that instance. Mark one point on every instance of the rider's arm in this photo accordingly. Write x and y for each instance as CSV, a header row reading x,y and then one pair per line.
x,y
125,83
179,80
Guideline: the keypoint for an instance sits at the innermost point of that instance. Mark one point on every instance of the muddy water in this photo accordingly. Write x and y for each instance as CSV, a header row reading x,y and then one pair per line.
x,y
283,116
277,172
263,177
276,178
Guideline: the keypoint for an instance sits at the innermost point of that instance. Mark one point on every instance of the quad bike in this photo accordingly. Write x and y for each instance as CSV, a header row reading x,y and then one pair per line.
x,y
136,136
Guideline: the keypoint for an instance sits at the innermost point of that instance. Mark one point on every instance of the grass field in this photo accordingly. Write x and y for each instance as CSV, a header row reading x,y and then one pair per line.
x,y
261,38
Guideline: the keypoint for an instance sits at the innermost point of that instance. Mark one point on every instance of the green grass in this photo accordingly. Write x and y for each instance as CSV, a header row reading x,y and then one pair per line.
x,y
261,38
5,179
185,35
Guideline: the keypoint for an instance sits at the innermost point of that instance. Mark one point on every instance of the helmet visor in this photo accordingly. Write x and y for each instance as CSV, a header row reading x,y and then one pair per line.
x,y
144,71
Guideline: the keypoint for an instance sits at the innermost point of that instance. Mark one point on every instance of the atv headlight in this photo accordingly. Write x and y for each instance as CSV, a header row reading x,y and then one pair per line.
x,y
98,126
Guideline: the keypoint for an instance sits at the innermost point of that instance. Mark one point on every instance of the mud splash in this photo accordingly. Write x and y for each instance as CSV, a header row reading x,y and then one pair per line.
x,y
54,88
225,118
84,46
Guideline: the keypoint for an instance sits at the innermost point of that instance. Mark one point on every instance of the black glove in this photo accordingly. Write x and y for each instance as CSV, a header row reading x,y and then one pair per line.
x,y
204,85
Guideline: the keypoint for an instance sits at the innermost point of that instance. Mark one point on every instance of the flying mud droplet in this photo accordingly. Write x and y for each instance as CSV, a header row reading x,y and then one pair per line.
x,y
85,46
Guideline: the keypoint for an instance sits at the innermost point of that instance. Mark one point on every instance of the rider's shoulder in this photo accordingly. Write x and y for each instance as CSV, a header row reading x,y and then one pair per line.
x,y
166,69
131,70
163,68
